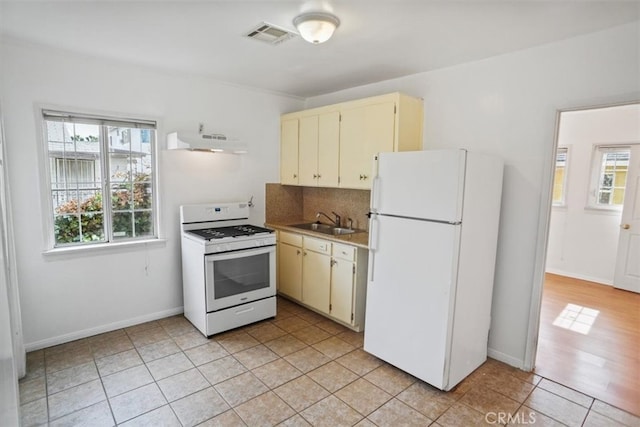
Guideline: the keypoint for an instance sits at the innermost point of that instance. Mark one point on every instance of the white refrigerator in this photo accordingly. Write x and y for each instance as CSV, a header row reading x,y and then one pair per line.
x,y
432,239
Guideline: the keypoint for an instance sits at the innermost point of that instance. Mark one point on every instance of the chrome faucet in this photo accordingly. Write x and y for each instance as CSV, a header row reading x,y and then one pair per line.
x,y
335,221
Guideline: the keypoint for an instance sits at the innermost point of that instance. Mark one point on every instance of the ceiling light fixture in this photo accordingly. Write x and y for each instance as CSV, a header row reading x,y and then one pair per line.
x,y
316,27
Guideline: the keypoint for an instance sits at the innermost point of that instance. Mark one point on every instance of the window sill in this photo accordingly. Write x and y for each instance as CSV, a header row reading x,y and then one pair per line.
x,y
603,210
102,248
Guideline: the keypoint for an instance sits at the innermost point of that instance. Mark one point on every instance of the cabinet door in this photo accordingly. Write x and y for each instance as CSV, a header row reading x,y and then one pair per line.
x,y
290,270
364,132
316,276
289,152
342,279
328,149
308,154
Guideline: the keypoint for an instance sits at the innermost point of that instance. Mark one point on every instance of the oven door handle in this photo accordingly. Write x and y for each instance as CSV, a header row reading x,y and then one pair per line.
x,y
241,253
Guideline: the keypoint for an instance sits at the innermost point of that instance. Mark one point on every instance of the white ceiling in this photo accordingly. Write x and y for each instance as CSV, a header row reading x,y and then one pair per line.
x,y
377,40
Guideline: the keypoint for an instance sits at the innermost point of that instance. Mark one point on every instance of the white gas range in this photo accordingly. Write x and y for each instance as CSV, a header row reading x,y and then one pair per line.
x,y
228,267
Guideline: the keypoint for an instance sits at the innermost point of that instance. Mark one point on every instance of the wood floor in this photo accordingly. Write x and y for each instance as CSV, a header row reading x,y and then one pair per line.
x,y
589,340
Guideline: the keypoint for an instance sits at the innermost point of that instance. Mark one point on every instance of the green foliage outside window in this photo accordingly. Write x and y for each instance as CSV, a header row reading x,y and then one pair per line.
x,y
84,222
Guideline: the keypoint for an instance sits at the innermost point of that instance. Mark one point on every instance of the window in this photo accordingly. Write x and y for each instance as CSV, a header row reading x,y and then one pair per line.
x,y
560,177
610,167
96,159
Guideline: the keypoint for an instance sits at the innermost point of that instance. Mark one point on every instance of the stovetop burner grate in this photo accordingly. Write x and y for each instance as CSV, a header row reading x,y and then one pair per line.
x,y
233,231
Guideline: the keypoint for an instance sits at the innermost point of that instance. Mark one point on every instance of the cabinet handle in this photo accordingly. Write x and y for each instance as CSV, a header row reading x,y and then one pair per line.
x,y
315,176
298,252
304,253
333,262
319,176
295,175
362,177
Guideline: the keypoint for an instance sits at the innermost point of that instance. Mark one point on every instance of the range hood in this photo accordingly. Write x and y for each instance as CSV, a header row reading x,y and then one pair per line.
x,y
212,142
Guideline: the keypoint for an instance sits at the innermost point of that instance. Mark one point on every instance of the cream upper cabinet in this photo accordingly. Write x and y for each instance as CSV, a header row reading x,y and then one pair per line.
x,y
337,143
364,131
328,148
308,151
289,151
319,138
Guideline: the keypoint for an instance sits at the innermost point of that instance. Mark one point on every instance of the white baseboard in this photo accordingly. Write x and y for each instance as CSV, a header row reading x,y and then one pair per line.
x,y
579,276
61,339
505,358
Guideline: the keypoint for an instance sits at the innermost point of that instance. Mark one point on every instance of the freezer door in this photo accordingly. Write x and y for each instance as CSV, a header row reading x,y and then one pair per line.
x,y
410,294
420,184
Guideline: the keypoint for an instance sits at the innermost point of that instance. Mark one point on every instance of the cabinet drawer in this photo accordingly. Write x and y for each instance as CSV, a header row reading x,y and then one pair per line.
x,y
346,252
317,245
291,238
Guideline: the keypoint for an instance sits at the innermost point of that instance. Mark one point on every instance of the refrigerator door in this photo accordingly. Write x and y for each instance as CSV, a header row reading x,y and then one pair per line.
x,y
410,294
420,184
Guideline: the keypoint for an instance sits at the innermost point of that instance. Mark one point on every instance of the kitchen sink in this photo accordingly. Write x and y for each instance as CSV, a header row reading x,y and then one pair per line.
x,y
340,231
326,228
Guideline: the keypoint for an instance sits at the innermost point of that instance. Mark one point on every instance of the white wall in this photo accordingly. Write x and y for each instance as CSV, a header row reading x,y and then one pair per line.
x,y
583,242
507,105
66,297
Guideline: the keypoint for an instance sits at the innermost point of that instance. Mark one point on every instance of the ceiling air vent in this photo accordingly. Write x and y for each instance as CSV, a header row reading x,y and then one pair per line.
x,y
270,33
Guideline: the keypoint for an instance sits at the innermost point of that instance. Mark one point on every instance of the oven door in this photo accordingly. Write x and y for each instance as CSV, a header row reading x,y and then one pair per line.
x,y
234,278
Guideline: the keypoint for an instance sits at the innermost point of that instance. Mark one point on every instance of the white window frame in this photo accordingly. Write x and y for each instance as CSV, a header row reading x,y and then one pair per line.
x,y
50,247
596,168
565,179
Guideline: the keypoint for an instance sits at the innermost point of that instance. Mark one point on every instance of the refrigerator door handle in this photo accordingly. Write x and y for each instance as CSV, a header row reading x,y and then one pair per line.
x,y
373,244
374,194
375,186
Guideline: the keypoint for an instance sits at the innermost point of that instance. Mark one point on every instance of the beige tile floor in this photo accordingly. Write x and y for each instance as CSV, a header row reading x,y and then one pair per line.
x,y
298,369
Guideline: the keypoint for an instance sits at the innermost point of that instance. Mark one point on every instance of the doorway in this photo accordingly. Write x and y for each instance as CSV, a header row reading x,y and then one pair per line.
x,y
589,331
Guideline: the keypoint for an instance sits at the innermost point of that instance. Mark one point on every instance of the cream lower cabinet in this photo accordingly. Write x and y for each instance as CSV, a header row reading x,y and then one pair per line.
x,y
331,277
316,273
290,265
343,276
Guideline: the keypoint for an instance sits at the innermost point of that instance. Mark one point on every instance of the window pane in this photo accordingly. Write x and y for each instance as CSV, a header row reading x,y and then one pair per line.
x,y
131,164
142,197
67,228
122,225
604,197
144,223
612,177
92,227
559,178
618,196
88,158
74,161
120,197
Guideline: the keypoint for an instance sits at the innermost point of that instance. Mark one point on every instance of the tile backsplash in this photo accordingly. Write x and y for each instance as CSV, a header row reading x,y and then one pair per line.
x,y
291,203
